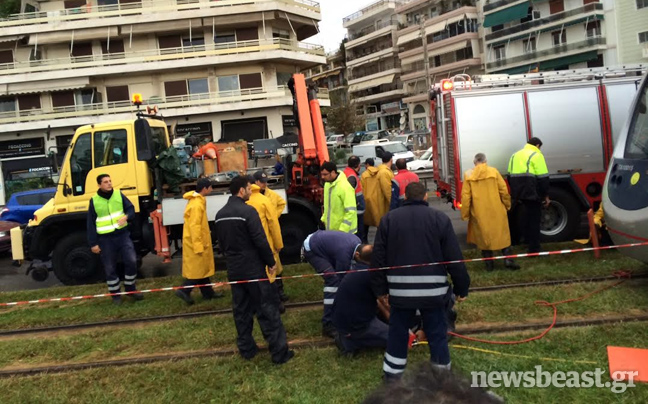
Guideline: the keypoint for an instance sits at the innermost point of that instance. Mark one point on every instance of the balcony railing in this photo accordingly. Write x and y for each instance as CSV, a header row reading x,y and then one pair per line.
x,y
159,55
554,50
180,101
368,9
493,4
372,29
544,21
144,7
372,71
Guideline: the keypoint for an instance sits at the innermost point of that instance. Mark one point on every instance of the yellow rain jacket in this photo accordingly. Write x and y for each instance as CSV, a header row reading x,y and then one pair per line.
x,y
270,222
197,253
276,200
377,188
340,209
484,202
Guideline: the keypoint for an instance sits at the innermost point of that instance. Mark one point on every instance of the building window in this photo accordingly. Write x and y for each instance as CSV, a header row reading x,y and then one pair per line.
x,y
559,37
228,83
283,78
108,3
643,37
110,148
433,12
68,4
170,42
7,104
35,54
529,45
598,62
6,56
280,33
418,109
496,28
84,97
224,37
29,101
590,1
593,29
500,52
436,61
642,4
252,80
62,99
556,6
81,49
198,86
117,93
463,54
529,16
247,34
188,42
112,47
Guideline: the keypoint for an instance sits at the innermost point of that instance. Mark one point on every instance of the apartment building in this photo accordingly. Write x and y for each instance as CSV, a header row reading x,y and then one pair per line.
x,y
521,36
446,34
216,69
632,31
331,78
373,65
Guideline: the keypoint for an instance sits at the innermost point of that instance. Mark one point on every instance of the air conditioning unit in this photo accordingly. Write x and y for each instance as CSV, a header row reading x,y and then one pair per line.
x,y
536,15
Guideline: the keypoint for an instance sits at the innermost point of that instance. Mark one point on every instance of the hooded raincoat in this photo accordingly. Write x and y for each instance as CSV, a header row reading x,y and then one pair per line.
x,y
377,186
269,220
484,202
197,253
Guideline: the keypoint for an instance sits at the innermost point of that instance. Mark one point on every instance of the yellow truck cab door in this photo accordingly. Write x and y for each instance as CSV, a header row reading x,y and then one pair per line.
x,y
106,151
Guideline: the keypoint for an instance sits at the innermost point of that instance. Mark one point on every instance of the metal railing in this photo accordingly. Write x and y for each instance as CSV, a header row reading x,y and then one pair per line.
x,y
493,4
369,51
143,7
543,21
179,101
157,55
369,8
373,70
372,29
554,50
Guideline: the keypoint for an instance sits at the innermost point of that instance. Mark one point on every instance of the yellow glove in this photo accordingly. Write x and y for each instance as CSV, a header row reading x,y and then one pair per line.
x,y
271,276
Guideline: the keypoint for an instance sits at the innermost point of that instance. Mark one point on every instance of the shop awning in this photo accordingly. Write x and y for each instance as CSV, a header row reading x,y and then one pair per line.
x,y
11,38
516,12
23,164
439,26
372,83
455,19
408,37
79,35
568,60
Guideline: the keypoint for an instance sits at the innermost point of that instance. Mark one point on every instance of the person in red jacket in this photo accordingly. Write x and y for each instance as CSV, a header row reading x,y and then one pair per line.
x,y
404,178
352,171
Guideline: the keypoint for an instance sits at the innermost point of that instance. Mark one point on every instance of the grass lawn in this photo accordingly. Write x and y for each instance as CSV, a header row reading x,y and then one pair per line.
x,y
319,375
307,289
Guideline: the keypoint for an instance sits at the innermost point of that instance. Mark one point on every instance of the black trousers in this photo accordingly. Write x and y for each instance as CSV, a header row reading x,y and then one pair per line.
x,y
524,221
258,299
206,291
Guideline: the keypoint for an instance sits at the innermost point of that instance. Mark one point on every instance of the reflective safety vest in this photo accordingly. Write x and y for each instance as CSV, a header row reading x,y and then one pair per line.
x,y
109,211
360,201
528,174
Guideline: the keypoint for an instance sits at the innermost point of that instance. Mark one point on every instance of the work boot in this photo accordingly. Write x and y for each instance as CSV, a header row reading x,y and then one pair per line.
x,y
328,330
280,288
184,296
282,308
289,355
490,265
214,294
117,300
509,262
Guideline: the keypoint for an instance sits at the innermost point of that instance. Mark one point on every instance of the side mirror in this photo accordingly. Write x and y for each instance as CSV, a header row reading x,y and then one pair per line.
x,y
144,140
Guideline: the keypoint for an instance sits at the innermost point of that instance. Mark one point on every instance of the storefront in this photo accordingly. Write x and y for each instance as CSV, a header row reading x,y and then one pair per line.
x,y
25,165
203,131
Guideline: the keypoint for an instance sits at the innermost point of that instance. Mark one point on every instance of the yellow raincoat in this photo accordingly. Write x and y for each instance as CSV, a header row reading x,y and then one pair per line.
x,y
270,222
197,253
276,200
376,185
484,202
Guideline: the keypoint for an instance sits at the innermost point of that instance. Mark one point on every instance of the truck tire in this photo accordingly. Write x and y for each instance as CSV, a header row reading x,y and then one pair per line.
x,y
561,220
73,262
295,227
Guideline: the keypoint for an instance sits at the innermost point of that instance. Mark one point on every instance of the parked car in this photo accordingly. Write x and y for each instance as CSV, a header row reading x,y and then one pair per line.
x,y
354,138
376,151
375,135
335,141
21,206
422,163
407,140
5,236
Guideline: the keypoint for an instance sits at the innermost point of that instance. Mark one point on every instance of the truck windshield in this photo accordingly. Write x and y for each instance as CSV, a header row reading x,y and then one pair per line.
x,y
637,144
395,148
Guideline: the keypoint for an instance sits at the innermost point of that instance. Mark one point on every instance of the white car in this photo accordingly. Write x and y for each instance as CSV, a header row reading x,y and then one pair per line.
x,y
422,163
335,141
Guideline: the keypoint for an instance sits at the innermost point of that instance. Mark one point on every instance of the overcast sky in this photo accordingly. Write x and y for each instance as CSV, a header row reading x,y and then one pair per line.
x,y
333,11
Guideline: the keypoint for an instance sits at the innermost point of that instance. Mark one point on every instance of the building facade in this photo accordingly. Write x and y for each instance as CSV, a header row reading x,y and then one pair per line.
x,y
373,66
446,34
632,31
216,70
331,78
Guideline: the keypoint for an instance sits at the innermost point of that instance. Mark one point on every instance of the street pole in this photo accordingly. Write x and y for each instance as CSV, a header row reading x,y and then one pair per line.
x,y
426,60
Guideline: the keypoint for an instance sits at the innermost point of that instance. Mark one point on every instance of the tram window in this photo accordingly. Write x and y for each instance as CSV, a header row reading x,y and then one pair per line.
x,y
637,145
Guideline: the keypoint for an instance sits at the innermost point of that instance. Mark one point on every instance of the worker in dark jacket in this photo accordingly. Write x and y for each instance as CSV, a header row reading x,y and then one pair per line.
x,y
416,234
330,252
247,253
107,228
529,181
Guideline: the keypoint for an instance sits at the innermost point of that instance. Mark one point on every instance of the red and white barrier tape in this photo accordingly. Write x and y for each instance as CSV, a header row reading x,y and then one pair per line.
x,y
502,257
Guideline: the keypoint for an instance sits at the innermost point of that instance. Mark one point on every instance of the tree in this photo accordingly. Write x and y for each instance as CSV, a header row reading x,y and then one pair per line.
x,y
341,117
8,7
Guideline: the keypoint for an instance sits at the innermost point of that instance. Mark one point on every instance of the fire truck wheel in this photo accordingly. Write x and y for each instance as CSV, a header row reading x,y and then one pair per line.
x,y
73,262
561,219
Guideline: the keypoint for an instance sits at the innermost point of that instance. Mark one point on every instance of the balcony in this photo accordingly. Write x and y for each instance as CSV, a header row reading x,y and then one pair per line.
x,y
391,93
373,10
373,73
146,7
130,60
221,101
372,57
353,39
555,51
443,69
594,8
493,4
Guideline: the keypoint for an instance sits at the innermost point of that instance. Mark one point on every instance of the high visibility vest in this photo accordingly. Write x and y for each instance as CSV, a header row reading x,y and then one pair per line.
x,y
109,211
360,202
528,174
